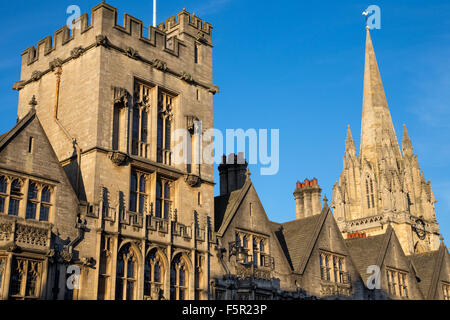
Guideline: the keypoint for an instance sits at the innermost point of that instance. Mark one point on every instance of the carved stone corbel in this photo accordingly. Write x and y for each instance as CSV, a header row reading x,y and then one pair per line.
x,y
118,158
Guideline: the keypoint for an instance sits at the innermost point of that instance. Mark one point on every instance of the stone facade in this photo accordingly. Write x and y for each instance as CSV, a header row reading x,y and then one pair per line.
x,y
93,204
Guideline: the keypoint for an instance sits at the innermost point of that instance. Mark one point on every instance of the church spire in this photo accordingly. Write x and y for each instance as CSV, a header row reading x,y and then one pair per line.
x,y
377,130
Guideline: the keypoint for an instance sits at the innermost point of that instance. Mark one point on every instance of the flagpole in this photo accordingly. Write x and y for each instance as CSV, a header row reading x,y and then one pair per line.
x,y
154,13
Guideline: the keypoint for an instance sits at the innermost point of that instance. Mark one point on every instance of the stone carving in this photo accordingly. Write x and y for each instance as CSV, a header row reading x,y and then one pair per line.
x,y
101,40
160,65
192,180
36,76
118,158
121,97
54,64
77,52
5,231
31,235
187,77
132,53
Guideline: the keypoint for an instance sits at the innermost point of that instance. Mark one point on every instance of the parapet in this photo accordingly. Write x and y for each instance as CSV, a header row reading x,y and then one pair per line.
x,y
104,22
192,25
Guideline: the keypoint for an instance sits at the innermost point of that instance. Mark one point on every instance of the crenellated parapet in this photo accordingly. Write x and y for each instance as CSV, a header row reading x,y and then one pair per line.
x,y
162,45
192,25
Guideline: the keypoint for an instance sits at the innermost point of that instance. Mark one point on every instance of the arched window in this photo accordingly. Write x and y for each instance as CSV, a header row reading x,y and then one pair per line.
x,y
245,245
16,196
179,279
369,193
25,279
127,273
104,281
153,276
164,128
163,198
238,240
3,194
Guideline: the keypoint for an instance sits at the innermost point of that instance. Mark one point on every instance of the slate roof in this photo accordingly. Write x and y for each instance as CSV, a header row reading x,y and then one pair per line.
x,y
366,252
295,238
425,266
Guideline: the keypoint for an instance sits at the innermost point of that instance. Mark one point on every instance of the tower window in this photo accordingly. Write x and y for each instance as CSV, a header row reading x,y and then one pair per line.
x,y
141,120
369,193
163,198
164,128
196,53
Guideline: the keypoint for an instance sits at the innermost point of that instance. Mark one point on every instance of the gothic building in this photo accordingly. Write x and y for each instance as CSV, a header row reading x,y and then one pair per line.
x,y
93,204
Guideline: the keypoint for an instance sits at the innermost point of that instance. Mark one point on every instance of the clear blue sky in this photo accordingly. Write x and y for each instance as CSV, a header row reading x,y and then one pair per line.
x,y
296,66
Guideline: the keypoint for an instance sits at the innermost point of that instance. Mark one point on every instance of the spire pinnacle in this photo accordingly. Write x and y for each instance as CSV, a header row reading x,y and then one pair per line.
x,y
407,147
350,143
377,129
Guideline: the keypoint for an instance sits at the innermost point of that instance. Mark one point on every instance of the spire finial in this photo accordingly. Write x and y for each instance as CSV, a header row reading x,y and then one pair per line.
x,y
248,174
325,201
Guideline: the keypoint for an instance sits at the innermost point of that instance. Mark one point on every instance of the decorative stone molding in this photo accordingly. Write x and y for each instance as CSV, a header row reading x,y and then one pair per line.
x,y
121,97
193,180
118,158
31,235
77,52
132,53
159,64
187,77
214,89
101,40
5,231
54,64
36,76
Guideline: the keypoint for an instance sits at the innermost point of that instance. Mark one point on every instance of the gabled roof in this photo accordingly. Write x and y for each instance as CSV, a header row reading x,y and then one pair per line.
x,y
369,251
229,204
429,266
6,137
297,238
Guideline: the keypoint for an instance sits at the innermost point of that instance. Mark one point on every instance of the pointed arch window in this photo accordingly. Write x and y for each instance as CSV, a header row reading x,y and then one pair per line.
x,y
179,281
127,272
369,193
104,281
153,276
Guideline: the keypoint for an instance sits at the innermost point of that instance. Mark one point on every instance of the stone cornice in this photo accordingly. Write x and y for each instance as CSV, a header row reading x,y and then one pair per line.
x,y
102,41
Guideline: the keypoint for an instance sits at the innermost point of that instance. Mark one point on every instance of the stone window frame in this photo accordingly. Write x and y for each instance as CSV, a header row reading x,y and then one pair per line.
x,y
23,267
154,258
128,253
370,195
330,271
4,194
105,268
22,196
39,201
251,249
446,290
141,137
397,281
165,202
165,126
179,290
138,194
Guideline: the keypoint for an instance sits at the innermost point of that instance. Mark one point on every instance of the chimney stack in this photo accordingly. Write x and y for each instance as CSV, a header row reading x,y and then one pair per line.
x,y
307,199
232,173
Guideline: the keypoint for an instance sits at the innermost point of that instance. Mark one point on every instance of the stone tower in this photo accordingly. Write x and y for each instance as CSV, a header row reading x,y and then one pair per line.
x,y
382,185
110,101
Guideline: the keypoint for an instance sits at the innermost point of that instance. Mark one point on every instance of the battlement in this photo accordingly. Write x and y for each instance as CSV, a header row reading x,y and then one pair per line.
x,y
103,30
190,24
